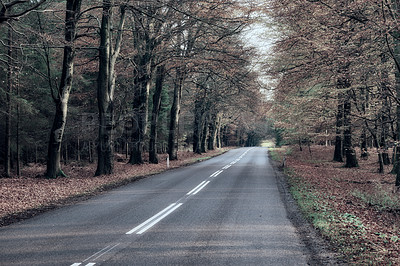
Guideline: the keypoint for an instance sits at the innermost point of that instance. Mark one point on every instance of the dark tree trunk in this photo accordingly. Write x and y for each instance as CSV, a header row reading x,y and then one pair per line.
x,y
385,113
174,117
197,127
141,107
199,115
153,158
142,82
61,100
140,120
219,143
378,148
105,158
351,157
396,58
338,154
212,139
364,148
204,134
106,88
7,146
18,131
363,137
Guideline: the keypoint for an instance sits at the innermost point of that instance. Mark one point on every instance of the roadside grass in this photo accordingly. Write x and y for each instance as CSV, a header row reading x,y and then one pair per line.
x,y
380,199
345,231
279,153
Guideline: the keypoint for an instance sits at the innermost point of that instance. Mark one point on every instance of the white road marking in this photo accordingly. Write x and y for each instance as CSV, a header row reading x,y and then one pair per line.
x,y
200,188
97,255
216,173
155,219
143,227
159,219
190,192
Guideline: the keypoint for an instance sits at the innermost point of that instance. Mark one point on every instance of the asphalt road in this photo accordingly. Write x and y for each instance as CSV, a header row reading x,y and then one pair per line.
x,y
224,211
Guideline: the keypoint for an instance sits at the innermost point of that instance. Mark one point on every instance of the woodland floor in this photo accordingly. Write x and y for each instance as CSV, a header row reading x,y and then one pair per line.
x,y
30,194
356,209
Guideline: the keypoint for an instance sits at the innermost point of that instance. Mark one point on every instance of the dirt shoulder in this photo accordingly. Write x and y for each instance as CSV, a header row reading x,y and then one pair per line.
x,y
31,194
319,249
356,210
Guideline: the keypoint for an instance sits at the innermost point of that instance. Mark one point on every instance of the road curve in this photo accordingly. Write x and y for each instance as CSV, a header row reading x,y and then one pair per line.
x,y
224,211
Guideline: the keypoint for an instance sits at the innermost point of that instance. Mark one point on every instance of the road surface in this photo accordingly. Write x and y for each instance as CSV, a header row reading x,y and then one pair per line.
x,y
224,211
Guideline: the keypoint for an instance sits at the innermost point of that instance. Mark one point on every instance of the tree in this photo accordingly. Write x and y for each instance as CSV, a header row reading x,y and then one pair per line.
x,y
160,74
108,54
10,77
64,89
147,37
23,7
205,25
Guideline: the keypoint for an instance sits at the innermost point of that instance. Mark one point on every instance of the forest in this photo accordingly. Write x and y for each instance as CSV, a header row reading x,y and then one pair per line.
x,y
122,85
100,81
336,67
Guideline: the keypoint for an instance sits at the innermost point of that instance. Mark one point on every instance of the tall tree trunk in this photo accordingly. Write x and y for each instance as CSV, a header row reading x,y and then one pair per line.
x,y
141,103
142,82
219,133
106,88
204,134
212,140
337,156
174,117
61,100
351,158
18,130
160,73
197,127
385,113
7,146
396,164
396,159
199,117
395,50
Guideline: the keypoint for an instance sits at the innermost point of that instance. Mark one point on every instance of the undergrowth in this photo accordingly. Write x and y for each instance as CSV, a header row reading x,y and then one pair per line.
x,y
358,218
344,230
380,199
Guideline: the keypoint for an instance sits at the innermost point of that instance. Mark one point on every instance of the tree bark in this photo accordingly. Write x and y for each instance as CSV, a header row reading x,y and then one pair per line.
x,y
174,117
140,120
7,146
61,100
212,140
204,134
160,74
142,82
199,117
338,153
351,158
106,88
396,57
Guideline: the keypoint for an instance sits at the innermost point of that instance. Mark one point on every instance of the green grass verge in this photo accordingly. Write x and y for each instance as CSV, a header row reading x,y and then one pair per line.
x,y
345,231
380,199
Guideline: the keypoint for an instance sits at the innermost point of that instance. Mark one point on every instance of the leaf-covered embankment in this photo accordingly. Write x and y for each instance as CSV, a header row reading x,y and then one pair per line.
x,y
355,209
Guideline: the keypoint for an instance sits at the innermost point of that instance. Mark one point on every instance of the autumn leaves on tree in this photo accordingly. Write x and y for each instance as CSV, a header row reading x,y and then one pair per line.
x,y
341,58
153,63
